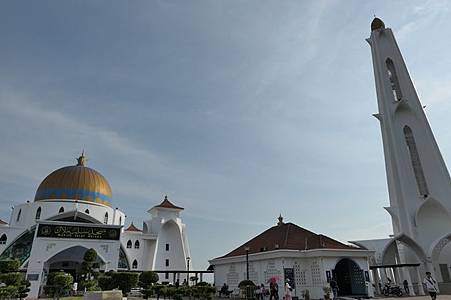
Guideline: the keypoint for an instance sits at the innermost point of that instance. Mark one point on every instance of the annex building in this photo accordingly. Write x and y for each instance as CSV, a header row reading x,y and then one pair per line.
x,y
304,259
72,212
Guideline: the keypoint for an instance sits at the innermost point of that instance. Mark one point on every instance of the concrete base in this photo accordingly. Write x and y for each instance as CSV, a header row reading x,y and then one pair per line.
x,y
103,295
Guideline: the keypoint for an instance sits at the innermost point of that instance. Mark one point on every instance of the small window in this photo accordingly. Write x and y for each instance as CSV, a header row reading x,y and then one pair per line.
x,y
135,264
129,244
87,211
167,247
61,210
3,239
166,275
394,82
167,262
137,244
105,219
18,215
38,213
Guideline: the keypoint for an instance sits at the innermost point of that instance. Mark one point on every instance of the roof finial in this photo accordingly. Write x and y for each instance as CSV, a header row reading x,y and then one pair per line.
x,y
280,218
166,197
82,159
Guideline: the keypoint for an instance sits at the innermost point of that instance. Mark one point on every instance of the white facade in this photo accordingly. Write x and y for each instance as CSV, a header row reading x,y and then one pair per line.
x,y
161,245
291,254
418,180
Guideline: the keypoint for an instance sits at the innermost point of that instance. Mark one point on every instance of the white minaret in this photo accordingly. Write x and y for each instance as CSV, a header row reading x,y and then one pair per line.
x,y
418,180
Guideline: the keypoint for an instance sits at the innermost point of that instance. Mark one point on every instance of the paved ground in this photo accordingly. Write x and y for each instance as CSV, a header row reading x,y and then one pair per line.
x,y
439,297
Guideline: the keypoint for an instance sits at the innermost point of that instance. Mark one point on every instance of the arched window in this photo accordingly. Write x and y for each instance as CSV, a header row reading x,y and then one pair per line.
x,y
135,264
129,244
87,211
105,219
3,239
394,82
137,244
18,215
416,162
61,210
38,214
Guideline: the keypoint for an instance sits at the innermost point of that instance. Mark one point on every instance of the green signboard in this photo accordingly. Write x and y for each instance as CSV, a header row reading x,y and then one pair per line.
x,y
78,232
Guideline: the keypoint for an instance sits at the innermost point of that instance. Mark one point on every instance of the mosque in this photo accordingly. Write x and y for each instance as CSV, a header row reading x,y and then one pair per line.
x,y
72,212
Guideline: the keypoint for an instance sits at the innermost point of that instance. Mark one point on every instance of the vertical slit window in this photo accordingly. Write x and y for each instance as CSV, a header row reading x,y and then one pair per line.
x,y
105,219
393,77
416,162
38,213
18,215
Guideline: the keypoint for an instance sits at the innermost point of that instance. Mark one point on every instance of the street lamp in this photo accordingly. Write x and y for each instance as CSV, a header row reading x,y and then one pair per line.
x,y
247,262
187,266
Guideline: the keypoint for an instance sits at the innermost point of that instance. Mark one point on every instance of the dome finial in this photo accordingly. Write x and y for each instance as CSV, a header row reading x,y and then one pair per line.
x,y
280,218
82,159
377,24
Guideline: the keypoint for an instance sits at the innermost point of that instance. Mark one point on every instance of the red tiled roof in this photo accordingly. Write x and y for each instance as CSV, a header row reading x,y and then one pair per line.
x,y
2,222
133,228
287,236
167,204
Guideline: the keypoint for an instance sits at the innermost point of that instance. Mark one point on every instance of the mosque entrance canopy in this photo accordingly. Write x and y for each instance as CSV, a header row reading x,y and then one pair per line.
x,y
79,231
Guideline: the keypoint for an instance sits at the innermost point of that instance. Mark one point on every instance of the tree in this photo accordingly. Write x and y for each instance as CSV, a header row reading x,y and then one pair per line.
x,y
147,279
89,271
125,281
14,283
58,283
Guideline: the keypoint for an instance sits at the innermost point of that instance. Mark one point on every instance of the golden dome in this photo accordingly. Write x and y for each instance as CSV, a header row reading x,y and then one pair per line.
x,y
75,183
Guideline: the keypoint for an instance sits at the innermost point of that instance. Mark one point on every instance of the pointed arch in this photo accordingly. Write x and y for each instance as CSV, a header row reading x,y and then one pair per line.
x,y
393,78
38,213
61,210
136,244
3,239
135,264
129,244
437,246
409,242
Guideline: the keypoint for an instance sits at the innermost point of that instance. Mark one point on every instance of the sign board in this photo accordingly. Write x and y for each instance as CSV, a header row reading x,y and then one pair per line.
x,y
78,232
32,277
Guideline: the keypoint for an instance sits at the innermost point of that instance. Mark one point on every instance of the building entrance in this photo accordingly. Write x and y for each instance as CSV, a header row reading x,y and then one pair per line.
x,y
350,278
70,261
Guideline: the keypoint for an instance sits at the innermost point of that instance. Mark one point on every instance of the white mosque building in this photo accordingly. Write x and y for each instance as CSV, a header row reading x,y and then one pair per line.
x,y
419,184
72,212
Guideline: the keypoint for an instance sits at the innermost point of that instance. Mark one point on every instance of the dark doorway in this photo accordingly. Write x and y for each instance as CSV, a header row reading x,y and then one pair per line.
x,y
350,278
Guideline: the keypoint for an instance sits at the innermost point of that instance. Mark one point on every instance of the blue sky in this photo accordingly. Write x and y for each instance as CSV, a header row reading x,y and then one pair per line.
x,y
237,110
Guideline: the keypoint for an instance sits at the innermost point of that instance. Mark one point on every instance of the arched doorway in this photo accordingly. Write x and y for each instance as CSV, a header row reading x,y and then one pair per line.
x,y
70,261
350,278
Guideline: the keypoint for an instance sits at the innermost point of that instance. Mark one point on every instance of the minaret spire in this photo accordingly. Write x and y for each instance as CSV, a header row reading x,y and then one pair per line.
x,y
418,180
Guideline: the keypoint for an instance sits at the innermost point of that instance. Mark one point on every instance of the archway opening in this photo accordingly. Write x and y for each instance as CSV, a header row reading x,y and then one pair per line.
x,y
70,261
350,278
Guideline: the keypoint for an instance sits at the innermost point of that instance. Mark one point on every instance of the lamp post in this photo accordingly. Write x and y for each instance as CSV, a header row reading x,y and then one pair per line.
x,y
187,266
247,262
